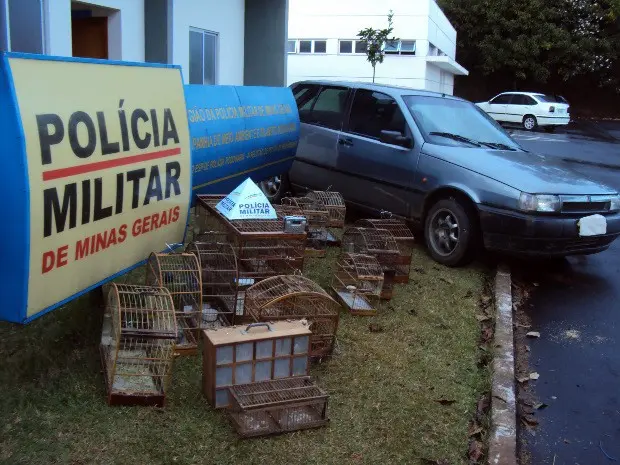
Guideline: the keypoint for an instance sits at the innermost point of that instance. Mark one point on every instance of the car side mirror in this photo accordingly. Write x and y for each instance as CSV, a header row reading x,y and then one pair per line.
x,y
395,138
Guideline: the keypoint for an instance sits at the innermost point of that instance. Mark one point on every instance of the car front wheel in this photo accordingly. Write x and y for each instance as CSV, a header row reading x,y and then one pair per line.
x,y
275,187
451,232
529,122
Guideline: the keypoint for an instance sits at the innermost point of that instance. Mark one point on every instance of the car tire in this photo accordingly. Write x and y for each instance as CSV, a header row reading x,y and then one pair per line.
x,y
530,123
451,232
275,187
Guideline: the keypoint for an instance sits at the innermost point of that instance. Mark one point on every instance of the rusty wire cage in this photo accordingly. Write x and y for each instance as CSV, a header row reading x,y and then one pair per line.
x,y
380,244
262,247
334,202
317,217
404,238
279,406
293,297
137,344
220,280
180,274
357,283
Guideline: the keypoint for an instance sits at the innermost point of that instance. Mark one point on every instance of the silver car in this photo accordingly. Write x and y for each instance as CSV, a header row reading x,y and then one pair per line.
x,y
445,165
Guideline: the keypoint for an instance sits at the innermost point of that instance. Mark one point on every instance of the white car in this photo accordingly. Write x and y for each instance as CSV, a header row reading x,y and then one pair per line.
x,y
528,109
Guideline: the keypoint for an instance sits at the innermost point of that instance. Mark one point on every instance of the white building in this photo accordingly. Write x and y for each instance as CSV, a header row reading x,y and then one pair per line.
x,y
208,38
322,43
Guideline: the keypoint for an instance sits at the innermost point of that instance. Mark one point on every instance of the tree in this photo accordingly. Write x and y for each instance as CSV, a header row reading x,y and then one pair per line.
x,y
376,40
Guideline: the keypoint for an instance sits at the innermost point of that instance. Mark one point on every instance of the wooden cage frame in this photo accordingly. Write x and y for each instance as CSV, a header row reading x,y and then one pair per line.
x,y
180,274
137,344
335,204
290,297
357,283
317,216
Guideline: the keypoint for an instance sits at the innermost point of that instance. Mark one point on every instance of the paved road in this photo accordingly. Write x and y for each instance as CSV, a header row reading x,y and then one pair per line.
x,y
576,308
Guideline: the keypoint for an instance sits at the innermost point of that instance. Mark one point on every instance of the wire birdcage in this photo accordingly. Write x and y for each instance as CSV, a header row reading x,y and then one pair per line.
x,y
293,297
180,274
220,281
404,238
380,244
317,216
279,406
262,247
358,282
334,202
137,344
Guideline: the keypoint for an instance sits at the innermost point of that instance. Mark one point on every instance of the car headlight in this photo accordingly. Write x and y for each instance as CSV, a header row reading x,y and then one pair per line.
x,y
539,202
615,204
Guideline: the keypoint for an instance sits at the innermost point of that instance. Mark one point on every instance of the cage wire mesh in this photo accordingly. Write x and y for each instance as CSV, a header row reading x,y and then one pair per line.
x,y
357,283
220,281
404,238
180,274
137,344
317,216
273,407
295,297
334,203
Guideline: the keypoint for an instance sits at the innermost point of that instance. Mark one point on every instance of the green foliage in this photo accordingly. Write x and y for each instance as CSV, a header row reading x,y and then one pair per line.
x,y
375,42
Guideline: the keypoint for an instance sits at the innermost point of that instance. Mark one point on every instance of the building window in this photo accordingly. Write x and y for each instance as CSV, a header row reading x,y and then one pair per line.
x,y
434,51
203,48
352,46
292,46
311,46
400,47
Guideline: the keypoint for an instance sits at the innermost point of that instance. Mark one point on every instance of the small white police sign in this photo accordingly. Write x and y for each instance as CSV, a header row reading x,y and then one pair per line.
x,y
246,202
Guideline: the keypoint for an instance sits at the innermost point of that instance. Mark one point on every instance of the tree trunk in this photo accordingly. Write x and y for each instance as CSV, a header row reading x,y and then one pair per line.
x,y
373,74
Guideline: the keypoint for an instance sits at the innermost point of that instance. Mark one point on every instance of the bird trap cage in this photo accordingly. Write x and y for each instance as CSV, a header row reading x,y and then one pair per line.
x,y
220,279
295,297
262,247
279,406
404,238
380,244
357,283
317,222
137,344
334,203
259,352
180,274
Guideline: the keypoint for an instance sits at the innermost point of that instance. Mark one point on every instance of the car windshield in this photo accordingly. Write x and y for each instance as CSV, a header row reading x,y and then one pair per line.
x,y
550,98
447,121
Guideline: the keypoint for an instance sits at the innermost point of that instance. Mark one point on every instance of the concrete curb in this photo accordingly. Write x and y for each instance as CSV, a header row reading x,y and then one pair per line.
x,y
503,439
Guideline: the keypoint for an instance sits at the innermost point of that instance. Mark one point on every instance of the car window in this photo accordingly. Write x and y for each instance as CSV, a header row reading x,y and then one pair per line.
x,y
550,98
305,96
502,99
373,112
328,108
518,100
529,100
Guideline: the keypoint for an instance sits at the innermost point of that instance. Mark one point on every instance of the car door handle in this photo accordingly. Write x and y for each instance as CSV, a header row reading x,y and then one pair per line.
x,y
346,141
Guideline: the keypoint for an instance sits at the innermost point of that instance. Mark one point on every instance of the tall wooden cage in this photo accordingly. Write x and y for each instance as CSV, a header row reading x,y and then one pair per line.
x,y
404,238
220,280
262,247
317,216
357,283
251,354
180,274
334,202
294,297
380,244
137,344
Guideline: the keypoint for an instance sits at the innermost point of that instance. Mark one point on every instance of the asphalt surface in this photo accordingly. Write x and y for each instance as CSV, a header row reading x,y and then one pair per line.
x,y
575,306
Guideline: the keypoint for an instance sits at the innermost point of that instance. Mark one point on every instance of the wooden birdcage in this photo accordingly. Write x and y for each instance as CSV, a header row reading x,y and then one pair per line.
x,y
404,238
279,406
334,202
220,281
294,297
318,221
137,344
380,244
180,274
258,352
358,282
262,247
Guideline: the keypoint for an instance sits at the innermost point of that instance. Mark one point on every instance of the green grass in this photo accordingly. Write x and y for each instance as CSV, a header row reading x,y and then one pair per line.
x,y
383,387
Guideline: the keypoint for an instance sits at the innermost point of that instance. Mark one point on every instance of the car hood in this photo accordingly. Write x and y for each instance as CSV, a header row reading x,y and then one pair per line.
x,y
526,171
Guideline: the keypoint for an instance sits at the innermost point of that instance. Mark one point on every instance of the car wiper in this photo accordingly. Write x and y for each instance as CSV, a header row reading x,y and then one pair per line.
x,y
449,135
498,145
